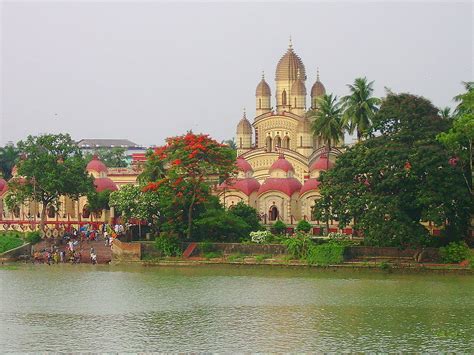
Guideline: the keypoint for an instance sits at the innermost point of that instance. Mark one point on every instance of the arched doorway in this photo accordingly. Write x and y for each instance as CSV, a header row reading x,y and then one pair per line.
x,y
273,213
269,144
286,142
277,142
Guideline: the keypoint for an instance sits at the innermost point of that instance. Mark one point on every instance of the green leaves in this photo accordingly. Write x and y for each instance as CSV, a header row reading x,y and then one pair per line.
x,y
327,119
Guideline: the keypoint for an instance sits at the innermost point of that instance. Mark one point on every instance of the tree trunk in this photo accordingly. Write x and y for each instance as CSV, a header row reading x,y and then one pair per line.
x,y
43,216
190,217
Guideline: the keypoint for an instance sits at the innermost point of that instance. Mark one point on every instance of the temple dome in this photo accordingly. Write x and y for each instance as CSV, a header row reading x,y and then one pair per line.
x,y
244,126
282,164
310,185
298,88
286,185
263,89
318,89
246,186
104,183
288,66
95,165
321,163
243,165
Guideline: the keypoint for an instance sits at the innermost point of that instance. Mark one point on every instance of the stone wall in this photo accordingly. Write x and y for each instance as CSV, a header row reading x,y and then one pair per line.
x,y
356,252
122,251
247,249
14,254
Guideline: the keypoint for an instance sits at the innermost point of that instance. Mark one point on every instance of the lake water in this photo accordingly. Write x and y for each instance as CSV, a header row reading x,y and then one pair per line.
x,y
232,309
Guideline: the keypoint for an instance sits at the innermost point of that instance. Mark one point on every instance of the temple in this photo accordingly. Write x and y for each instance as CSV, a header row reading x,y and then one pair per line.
x,y
279,156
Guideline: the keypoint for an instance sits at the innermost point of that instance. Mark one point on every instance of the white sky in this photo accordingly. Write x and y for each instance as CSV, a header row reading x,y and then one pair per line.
x,y
148,70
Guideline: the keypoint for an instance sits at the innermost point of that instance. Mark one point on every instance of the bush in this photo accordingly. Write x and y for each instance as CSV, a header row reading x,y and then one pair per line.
x,y
325,254
260,237
206,247
220,225
168,244
303,226
279,227
33,237
9,241
236,257
455,252
213,255
260,258
297,245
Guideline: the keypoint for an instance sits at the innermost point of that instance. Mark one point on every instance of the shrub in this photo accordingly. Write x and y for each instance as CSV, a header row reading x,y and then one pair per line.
x,y
297,245
303,226
9,241
213,254
168,244
236,257
260,237
325,254
206,247
279,227
33,237
455,252
260,258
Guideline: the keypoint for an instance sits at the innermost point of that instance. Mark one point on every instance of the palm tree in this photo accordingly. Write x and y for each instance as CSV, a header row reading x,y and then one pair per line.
x,y
327,120
231,143
445,113
360,107
8,158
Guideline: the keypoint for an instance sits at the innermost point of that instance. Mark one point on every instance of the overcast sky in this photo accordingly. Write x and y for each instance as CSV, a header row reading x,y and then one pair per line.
x,y
148,70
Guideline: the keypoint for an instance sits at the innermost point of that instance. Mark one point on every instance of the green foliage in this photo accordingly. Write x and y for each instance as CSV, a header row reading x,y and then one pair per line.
x,y
327,120
389,184
262,257
248,214
455,252
8,158
330,253
213,255
360,107
111,157
236,257
53,167
9,241
297,245
33,237
206,246
303,226
385,266
168,244
98,201
220,225
279,227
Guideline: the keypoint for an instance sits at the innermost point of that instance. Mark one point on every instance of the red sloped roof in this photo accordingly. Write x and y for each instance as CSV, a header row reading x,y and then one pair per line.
x,y
247,186
96,165
282,164
243,165
286,185
310,185
321,163
102,184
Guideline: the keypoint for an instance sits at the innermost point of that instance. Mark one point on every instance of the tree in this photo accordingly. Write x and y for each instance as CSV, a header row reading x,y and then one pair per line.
x,y
388,185
303,226
279,227
445,113
52,167
194,162
153,169
111,157
326,120
459,139
98,201
248,214
360,107
131,202
231,143
219,224
8,159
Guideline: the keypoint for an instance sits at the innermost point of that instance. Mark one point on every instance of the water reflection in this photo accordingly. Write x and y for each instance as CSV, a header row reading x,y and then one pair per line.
x,y
232,309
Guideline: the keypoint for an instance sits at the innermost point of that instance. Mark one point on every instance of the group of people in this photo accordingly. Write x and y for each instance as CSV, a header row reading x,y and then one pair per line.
x,y
75,242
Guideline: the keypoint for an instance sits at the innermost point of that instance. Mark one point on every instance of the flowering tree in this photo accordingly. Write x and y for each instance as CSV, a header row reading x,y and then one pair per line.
x,y
193,163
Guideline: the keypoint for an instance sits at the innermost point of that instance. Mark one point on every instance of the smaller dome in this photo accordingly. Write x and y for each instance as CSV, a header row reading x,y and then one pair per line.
x,y
310,185
282,164
243,165
263,89
318,88
244,126
321,163
286,185
304,126
298,88
95,165
102,184
3,184
247,186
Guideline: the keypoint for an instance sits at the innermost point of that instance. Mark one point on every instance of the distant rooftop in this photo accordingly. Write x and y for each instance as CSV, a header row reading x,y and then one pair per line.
x,y
107,143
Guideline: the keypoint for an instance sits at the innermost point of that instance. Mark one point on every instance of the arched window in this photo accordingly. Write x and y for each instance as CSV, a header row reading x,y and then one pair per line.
x,y
301,141
51,212
85,212
240,142
259,103
277,142
273,213
286,142
16,211
269,144
295,102
283,97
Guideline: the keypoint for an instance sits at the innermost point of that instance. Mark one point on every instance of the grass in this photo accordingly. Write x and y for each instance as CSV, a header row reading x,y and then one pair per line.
x,y
260,258
212,255
10,240
236,257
